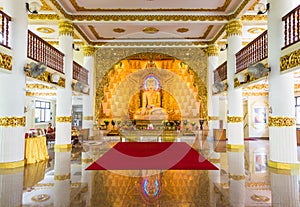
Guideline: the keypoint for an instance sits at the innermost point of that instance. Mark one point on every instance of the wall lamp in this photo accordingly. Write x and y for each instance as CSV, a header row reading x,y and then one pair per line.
x,y
75,48
261,8
33,7
224,47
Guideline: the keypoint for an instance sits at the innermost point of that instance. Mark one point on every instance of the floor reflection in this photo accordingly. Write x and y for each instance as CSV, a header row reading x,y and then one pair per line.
x,y
243,179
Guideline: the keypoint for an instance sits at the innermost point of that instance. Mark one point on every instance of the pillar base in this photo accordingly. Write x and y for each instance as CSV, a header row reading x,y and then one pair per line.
x,y
62,147
287,167
9,165
235,148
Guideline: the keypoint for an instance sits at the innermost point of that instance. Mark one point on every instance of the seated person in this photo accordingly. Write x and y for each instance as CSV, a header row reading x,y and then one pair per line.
x,y
50,129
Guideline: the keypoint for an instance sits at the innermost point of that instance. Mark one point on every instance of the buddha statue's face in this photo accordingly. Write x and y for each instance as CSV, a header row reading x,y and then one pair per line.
x,y
151,84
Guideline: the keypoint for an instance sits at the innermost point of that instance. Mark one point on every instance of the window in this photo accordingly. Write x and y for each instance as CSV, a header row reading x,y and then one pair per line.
x,y
42,111
297,109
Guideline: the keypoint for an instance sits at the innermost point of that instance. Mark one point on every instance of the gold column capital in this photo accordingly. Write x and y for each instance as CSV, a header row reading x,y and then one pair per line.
x,y
236,177
88,50
234,27
234,119
13,121
212,118
64,119
281,121
66,27
212,50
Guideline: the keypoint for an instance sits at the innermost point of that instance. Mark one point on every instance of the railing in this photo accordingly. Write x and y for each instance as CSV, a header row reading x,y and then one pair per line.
x,y
41,51
5,19
80,73
220,73
254,52
291,27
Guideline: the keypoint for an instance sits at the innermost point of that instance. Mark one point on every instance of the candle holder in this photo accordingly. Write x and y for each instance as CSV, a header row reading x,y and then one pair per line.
x,y
201,122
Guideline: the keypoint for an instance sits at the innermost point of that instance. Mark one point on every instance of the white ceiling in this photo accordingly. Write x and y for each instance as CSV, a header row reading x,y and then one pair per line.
x,y
99,22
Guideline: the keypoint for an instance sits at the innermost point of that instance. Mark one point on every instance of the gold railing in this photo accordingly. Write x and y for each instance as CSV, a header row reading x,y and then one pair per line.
x,y
254,52
4,32
291,27
80,73
41,51
220,73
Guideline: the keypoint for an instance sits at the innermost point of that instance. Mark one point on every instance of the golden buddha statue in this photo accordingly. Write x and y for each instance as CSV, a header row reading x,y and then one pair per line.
x,y
151,96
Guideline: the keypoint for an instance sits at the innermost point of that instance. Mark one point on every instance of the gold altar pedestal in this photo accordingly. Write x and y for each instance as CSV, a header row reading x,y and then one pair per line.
x,y
149,135
36,149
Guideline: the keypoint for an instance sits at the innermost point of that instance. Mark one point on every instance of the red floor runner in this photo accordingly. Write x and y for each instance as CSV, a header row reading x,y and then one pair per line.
x,y
152,155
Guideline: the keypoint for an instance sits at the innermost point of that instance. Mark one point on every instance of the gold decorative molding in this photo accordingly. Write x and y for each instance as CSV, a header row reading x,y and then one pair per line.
x,y
63,147
254,18
235,148
66,28
256,30
45,7
46,77
86,160
5,61
119,30
88,118
234,27
234,119
39,86
212,118
283,166
182,30
29,93
245,93
88,50
64,119
281,121
46,30
13,121
9,165
236,177
290,60
217,9
214,160
44,17
62,177
159,18
150,30
213,50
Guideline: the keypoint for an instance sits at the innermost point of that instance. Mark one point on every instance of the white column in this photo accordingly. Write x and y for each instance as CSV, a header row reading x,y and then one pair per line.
x,y
213,100
237,190
11,188
234,131
88,100
12,88
64,95
285,190
282,128
62,179
86,175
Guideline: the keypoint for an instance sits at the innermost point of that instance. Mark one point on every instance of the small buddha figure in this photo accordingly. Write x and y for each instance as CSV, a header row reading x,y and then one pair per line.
x,y
151,97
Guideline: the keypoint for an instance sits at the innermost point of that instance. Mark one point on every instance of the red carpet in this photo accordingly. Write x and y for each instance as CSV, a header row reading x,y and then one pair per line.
x,y
152,155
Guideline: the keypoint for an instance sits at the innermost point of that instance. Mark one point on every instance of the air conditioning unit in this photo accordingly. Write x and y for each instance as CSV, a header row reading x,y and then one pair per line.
x,y
35,69
258,70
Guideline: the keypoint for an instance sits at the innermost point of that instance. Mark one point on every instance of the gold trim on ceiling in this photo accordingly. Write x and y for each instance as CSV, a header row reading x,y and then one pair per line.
x,y
150,30
119,30
46,30
254,18
182,30
218,9
256,30
253,5
45,7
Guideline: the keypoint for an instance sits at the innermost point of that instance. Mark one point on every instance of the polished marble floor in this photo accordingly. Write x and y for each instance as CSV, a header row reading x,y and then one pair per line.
x,y
243,179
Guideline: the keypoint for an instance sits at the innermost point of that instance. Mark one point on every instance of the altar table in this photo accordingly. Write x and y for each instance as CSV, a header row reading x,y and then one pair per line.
x,y
35,149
